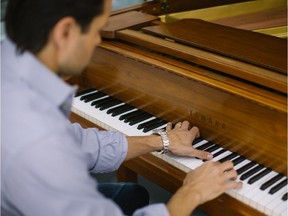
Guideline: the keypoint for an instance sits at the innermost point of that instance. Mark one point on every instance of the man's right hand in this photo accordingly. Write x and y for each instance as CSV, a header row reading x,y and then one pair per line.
x,y
205,183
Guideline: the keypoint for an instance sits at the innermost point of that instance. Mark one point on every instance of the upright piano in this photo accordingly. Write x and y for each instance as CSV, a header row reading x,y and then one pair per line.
x,y
225,74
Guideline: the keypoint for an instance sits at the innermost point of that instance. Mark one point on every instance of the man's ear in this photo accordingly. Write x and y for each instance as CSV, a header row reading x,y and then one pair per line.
x,y
64,32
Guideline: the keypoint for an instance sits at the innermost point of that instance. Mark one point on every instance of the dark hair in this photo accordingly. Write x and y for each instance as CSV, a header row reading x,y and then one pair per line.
x,y
29,22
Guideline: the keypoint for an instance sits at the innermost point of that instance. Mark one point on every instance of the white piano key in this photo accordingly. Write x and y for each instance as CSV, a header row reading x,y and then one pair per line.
x,y
272,202
251,189
233,192
285,210
259,199
281,208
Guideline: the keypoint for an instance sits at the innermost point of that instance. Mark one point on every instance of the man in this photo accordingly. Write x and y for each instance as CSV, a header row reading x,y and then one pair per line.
x,y
45,159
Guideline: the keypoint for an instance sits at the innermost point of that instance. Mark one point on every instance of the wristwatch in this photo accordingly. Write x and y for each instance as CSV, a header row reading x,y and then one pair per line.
x,y
165,140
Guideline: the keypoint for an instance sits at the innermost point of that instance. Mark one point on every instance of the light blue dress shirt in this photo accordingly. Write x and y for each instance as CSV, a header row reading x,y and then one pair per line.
x,y
45,159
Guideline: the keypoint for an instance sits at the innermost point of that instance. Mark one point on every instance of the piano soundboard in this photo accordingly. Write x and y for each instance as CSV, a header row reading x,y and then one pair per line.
x,y
263,189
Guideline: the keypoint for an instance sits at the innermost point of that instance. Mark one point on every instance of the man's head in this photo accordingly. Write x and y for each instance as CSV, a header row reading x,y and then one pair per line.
x,y
61,33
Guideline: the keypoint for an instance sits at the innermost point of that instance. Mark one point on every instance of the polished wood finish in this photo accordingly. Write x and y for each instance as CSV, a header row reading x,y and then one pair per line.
x,y
258,20
160,7
131,19
238,44
234,67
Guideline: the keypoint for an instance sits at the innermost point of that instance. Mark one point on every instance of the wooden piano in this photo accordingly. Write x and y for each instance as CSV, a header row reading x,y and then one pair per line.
x,y
227,78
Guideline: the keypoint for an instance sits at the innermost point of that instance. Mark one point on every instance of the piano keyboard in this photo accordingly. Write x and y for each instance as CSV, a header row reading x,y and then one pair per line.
x,y
263,188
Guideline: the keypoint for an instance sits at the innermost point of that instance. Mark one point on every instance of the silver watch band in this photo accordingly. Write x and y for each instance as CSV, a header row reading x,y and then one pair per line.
x,y
165,140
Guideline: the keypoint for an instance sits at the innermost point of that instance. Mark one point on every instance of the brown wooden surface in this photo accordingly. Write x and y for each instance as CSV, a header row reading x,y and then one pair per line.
x,y
255,48
260,20
242,121
160,7
130,19
205,58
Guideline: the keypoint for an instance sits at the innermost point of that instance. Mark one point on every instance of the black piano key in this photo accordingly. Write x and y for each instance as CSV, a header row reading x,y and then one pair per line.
x,y
197,140
102,101
212,148
110,104
205,145
126,116
245,167
219,153
152,124
151,127
278,186
284,197
228,157
238,160
149,123
86,91
139,118
271,181
136,115
251,172
120,109
94,96
259,176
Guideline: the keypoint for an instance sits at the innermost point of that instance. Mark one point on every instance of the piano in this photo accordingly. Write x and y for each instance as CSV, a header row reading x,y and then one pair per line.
x,y
230,81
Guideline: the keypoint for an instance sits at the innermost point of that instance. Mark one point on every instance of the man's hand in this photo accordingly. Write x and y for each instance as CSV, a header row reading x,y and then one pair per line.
x,y
204,183
181,138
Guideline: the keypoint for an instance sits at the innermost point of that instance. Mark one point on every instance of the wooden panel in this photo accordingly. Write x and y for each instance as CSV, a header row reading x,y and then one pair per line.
x,y
131,19
225,11
160,7
259,20
255,48
207,59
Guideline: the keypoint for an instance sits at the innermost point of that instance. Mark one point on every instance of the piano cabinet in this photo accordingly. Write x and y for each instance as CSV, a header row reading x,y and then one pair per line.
x,y
251,123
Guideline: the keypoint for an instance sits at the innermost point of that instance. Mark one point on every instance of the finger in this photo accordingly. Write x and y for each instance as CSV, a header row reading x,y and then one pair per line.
x,y
232,174
178,125
226,166
201,154
233,185
195,131
169,126
185,125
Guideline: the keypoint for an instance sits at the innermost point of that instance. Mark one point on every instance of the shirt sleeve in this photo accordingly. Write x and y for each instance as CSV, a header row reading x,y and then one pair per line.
x,y
104,150
153,210
49,177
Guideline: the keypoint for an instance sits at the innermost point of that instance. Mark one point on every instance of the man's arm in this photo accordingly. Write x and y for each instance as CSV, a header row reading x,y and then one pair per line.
x,y
180,139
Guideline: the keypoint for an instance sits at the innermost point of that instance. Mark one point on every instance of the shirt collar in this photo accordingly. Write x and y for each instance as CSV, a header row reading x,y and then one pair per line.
x,y
29,69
